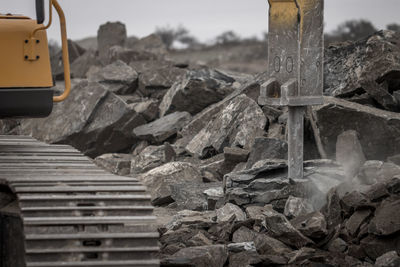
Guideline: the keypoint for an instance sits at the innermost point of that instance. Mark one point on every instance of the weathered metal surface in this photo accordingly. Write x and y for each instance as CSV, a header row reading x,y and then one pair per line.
x,y
295,142
71,212
295,54
295,67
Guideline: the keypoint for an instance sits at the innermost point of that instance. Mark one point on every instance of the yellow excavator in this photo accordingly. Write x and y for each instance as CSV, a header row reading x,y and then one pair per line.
x,y
56,207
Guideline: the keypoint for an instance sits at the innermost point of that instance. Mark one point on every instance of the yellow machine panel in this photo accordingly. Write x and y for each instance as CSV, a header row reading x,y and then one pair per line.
x,y
24,61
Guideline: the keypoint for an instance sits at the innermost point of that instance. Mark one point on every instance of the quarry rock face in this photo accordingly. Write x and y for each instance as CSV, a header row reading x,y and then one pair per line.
x,y
374,127
98,121
214,161
367,66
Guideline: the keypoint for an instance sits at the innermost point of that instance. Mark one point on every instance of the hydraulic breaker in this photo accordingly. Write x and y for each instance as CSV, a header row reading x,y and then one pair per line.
x,y
295,67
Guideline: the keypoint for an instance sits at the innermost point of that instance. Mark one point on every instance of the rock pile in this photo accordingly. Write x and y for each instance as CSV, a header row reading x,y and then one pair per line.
x,y
214,161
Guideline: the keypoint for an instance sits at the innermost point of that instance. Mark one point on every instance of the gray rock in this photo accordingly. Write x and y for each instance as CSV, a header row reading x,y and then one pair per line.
x,y
179,236
332,209
190,196
375,246
267,183
376,192
267,148
356,220
255,213
236,155
74,52
251,89
377,171
244,234
246,258
204,256
192,218
160,179
394,159
236,125
215,197
353,201
272,113
389,259
98,121
199,240
160,130
280,228
356,67
108,35
198,90
81,65
128,55
115,163
229,210
118,77
393,185
387,218
148,108
240,247
337,245
159,79
312,225
349,153
150,158
152,44
267,245
374,127
296,206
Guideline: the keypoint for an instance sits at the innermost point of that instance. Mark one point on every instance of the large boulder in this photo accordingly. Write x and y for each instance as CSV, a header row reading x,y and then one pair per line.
x,y
370,65
160,179
198,90
118,77
200,120
92,119
374,127
238,124
108,35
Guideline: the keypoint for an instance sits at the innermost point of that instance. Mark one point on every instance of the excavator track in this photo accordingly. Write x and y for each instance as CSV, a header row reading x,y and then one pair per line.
x,y
74,213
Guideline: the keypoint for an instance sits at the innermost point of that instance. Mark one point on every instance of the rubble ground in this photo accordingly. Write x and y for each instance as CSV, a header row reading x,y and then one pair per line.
x,y
214,161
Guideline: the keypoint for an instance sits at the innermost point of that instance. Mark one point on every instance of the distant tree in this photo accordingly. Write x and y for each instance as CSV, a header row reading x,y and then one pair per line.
x,y
351,30
227,37
169,35
393,27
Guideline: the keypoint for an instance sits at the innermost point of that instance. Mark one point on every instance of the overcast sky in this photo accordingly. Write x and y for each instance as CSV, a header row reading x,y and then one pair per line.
x,y
204,18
